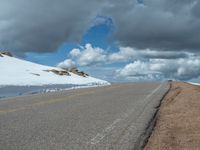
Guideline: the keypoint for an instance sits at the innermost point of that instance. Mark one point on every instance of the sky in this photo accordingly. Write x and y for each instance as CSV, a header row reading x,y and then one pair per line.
x,y
115,40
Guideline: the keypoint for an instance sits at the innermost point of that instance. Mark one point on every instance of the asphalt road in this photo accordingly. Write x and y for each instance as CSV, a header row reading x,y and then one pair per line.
x,y
112,117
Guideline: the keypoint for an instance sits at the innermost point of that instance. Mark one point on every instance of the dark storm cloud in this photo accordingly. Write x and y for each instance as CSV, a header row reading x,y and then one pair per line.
x,y
43,25
158,24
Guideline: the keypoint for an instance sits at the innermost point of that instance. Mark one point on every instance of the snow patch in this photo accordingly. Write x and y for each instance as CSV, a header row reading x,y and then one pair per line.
x,y
194,83
19,72
20,77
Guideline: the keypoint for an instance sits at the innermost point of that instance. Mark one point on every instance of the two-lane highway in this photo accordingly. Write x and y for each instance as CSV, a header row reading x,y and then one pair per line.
x,y
112,117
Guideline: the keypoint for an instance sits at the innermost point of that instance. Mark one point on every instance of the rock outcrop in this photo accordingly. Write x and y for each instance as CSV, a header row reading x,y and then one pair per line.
x,y
59,72
5,53
76,71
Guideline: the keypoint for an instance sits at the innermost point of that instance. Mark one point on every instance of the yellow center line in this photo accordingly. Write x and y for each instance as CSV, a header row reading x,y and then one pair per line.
x,y
2,111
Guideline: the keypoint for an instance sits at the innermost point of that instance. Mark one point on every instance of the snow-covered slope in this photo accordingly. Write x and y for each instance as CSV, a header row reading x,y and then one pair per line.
x,y
17,72
194,83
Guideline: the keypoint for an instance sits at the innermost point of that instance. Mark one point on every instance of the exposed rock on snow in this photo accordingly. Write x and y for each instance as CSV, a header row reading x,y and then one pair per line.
x,y
76,71
59,72
5,53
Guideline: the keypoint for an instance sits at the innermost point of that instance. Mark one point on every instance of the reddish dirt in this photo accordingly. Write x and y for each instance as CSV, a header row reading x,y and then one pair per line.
x,y
178,124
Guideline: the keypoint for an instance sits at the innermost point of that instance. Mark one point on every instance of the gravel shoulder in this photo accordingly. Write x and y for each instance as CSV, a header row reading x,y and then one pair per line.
x,y
178,122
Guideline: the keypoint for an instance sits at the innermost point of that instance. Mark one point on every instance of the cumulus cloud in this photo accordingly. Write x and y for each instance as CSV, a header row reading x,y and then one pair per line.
x,y
181,69
88,55
68,63
141,64
137,68
91,56
75,52
124,54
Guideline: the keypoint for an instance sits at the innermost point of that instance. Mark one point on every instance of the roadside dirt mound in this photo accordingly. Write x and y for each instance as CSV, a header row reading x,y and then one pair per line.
x,y
178,124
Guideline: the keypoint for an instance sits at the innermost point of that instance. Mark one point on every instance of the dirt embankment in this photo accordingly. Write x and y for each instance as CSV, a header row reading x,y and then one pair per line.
x,y
178,124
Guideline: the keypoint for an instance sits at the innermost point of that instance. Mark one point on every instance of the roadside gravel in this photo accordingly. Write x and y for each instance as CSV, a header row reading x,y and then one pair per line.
x,y
178,123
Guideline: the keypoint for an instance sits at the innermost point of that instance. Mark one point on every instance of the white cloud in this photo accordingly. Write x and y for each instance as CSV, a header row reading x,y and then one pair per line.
x,y
182,69
88,56
91,56
75,52
142,64
124,54
137,68
68,63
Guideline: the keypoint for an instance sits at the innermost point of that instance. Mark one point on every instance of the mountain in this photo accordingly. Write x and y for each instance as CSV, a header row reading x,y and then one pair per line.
x,y
18,72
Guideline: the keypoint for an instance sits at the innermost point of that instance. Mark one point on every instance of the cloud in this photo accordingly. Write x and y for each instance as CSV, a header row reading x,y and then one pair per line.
x,y
141,64
181,69
42,26
89,56
157,24
124,54
68,63
128,53
137,68
75,52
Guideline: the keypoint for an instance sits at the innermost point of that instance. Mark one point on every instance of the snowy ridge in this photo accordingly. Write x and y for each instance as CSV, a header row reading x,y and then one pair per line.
x,y
17,72
194,83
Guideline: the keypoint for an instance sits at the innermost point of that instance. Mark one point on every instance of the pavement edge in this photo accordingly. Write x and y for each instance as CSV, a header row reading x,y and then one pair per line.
x,y
144,137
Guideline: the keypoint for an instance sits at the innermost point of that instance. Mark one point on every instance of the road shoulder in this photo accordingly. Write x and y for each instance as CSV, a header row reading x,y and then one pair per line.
x,y
178,120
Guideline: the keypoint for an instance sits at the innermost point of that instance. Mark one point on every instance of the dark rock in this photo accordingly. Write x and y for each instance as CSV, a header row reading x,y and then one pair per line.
x,y
6,53
59,72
